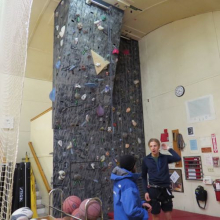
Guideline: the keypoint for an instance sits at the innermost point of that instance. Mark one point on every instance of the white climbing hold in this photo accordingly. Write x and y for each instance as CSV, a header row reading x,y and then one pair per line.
x,y
77,86
89,2
93,166
100,28
97,22
62,175
61,43
76,40
102,158
87,118
62,31
83,97
98,64
60,143
136,81
134,123
69,146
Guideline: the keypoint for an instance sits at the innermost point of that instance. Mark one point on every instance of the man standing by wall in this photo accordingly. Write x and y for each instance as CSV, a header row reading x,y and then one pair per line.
x,y
158,190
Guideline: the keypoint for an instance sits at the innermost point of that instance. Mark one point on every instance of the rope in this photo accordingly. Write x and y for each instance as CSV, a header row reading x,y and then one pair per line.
x,y
180,142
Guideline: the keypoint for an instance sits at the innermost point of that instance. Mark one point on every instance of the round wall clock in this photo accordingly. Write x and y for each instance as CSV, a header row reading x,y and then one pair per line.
x,y
179,91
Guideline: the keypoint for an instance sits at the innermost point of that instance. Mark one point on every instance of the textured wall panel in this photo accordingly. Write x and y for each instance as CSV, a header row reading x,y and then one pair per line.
x,y
89,151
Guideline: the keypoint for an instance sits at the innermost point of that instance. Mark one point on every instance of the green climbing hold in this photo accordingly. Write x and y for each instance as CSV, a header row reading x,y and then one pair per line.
x,y
103,17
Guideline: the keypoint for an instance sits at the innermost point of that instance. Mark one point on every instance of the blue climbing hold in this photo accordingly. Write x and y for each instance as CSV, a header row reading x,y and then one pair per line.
x,y
72,67
52,95
91,85
58,64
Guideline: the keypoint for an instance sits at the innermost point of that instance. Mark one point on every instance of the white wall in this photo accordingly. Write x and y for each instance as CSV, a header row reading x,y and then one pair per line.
x,y
185,52
42,140
35,101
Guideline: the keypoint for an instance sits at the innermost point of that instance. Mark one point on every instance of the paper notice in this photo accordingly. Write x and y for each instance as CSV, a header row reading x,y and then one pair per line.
x,y
174,177
208,159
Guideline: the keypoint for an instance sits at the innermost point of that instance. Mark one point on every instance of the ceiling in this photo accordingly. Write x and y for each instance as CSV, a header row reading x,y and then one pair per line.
x,y
151,15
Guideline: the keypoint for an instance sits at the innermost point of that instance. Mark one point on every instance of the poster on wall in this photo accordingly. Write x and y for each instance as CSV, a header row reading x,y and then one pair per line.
x,y
176,180
193,145
205,141
200,109
207,158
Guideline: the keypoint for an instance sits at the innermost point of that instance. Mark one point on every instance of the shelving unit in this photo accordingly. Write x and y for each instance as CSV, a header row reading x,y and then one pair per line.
x,y
193,168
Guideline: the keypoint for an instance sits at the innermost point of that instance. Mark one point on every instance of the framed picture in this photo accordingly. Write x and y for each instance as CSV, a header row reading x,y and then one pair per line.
x,y
176,180
190,131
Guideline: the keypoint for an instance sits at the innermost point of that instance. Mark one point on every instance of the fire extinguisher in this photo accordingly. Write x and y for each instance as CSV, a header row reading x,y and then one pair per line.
x,y
216,185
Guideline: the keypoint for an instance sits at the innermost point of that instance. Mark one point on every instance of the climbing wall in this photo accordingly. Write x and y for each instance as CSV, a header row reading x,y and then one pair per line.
x,y
127,102
92,122
84,38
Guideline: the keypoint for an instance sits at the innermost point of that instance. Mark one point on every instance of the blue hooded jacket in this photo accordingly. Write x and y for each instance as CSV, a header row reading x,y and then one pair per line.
x,y
127,201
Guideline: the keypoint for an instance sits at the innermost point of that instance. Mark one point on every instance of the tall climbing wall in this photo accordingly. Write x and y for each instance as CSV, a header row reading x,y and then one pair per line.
x,y
84,39
92,122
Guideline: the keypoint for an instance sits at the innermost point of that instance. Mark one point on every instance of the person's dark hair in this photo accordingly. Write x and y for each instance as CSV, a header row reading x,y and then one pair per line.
x,y
127,162
154,140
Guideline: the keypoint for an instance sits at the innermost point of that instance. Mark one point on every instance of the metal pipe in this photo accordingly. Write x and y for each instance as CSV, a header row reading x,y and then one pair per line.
x,y
72,216
87,204
61,198
125,37
99,4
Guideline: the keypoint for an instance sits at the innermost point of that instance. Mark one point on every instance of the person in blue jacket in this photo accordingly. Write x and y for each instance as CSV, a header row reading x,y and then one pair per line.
x,y
157,189
127,201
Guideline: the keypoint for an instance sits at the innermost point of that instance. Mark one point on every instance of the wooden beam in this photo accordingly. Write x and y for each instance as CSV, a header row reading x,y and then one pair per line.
x,y
175,147
43,113
39,167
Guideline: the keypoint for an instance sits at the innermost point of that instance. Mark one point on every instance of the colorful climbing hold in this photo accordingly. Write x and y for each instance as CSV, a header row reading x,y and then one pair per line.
x,y
91,85
80,26
100,111
103,17
57,65
52,95
134,123
115,51
127,145
128,110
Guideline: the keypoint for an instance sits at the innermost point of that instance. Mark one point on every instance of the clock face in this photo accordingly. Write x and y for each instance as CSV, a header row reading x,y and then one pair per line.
x,y
179,91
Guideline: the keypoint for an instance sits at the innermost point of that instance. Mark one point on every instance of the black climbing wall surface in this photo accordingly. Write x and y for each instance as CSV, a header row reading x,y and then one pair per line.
x,y
87,144
127,101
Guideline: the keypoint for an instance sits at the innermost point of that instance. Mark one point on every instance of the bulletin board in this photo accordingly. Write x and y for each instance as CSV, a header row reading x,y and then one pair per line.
x,y
193,168
177,180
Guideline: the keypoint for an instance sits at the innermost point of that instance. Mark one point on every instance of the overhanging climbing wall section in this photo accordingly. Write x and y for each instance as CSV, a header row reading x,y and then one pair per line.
x,y
127,102
86,41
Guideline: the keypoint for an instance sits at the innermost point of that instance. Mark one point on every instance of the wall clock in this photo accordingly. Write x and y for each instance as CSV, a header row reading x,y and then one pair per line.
x,y
179,91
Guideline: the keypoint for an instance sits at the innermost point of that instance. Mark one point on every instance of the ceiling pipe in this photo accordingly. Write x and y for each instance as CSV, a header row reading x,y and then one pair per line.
x,y
89,2
125,37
